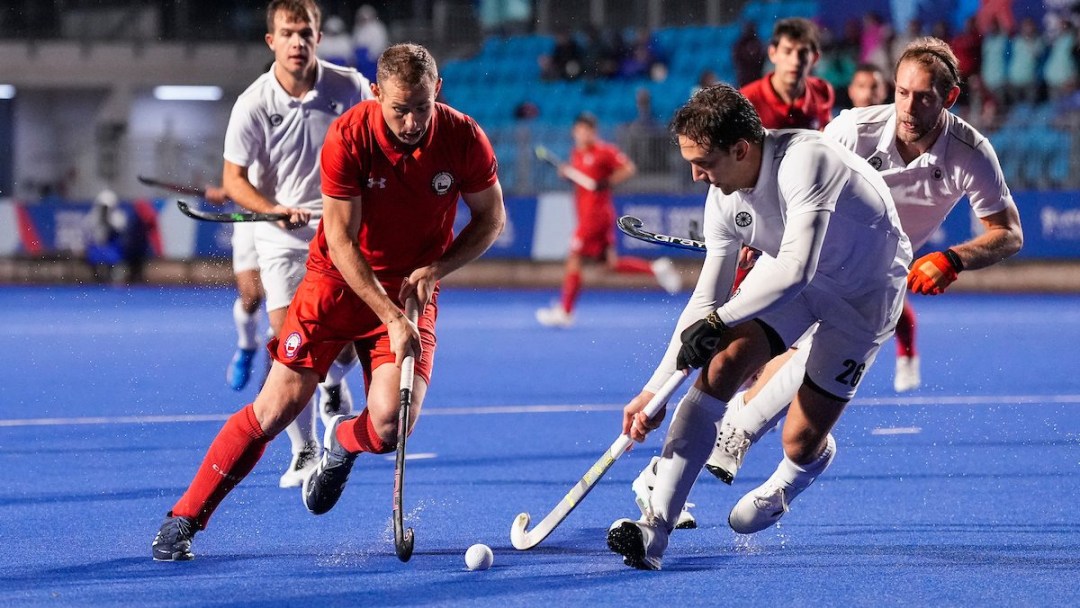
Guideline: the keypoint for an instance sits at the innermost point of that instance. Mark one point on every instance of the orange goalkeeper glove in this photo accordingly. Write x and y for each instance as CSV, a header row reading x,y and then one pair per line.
x,y
934,272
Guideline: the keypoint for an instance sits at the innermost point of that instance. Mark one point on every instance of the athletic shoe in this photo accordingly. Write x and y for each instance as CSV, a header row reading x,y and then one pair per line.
x,y
643,487
728,453
666,275
239,371
302,464
766,504
641,543
173,540
323,487
907,374
334,400
555,316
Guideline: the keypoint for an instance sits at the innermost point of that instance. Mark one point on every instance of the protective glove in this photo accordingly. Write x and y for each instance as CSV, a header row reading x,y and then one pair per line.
x,y
934,272
700,341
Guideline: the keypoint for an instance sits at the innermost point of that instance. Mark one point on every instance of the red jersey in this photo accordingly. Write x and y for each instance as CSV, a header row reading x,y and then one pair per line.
x,y
812,111
409,198
599,162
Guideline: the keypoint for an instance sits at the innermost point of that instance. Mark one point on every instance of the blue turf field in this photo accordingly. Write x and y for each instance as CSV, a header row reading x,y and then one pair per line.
x,y
961,493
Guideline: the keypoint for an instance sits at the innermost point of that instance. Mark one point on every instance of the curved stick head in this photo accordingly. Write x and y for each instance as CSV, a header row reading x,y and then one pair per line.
x,y
630,225
405,547
518,536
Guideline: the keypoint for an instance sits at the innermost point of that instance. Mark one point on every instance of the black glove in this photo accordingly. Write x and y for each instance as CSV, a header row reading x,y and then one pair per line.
x,y
700,342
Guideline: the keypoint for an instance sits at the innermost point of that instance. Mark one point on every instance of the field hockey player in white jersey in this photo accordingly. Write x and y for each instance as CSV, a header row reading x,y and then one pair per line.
x,y
930,159
279,123
809,204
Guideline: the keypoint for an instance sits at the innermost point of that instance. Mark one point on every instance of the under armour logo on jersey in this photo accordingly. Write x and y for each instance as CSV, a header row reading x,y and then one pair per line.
x,y
372,182
875,162
275,119
743,219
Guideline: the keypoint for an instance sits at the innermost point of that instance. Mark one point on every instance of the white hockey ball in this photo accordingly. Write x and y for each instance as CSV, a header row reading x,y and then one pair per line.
x,y
479,557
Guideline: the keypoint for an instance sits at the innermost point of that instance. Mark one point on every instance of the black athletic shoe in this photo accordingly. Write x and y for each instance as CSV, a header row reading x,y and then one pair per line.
x,y
323,488
173,540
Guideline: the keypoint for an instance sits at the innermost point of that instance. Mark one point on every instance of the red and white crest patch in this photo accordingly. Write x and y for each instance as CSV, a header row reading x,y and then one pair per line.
x,y
292,344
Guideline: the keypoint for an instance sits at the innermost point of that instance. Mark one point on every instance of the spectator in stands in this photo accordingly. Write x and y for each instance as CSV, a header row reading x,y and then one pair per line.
x,y
1027,48
565,60
601,57
994,72
874,41
748,55
900,40
645,120
644,58
336,46
1060,70
996,13
940,30
967,46
868,86
369,32
707,78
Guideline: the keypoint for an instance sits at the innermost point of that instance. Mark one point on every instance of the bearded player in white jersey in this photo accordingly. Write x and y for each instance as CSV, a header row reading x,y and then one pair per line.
x,y
279,124
930,159
838,259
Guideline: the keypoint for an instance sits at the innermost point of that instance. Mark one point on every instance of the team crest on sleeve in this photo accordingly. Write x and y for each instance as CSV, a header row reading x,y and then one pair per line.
x,y
938,173
292,344
743,219
875,162
442,182
275,119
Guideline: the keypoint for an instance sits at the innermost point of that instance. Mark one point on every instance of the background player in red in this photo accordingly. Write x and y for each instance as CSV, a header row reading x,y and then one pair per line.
x,y
594,238
392,172
789,97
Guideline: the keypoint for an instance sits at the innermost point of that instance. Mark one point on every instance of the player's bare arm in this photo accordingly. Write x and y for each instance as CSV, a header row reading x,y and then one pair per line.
x,y
621,174
487,218
341,224
238,187
1002,239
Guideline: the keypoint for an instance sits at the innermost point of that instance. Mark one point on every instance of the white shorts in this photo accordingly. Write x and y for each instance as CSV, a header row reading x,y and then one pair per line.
x,y
244,257
848,336
282,261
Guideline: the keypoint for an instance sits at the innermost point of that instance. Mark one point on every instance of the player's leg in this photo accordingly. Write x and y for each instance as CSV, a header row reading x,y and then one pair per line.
x,y
907,376
561,314
374,429
667,276
246,307
232,455
689,441
335,398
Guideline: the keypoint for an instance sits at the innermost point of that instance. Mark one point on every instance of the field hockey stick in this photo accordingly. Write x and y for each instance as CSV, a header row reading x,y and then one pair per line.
x,y
178,188
631,226
523,539
403,537
571,173
233,217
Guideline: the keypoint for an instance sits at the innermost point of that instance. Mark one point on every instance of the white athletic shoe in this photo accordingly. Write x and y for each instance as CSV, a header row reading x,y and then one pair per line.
x,y
302,464
554,316
643,487
334,401
641,543
728,453
667,275
766,504
907,374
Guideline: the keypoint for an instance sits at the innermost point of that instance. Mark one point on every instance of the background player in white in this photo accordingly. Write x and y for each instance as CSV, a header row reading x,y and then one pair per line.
x,y
809,204
930,158
279,123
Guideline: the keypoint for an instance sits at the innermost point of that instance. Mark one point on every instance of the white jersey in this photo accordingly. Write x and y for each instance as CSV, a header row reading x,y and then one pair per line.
x,y
828,224
284,135
961,162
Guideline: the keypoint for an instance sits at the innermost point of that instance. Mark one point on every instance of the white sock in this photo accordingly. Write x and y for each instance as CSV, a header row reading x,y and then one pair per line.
x,y
302,430
760,414
689,442
246,326
338,370
799,477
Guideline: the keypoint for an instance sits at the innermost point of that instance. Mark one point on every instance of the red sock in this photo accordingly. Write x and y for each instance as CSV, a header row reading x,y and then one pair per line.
x,y
570,290
358,435
905,332
231,456
633,266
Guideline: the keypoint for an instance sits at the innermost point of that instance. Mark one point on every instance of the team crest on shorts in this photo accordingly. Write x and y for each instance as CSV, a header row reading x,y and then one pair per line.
x,y
875,162
292,344
442,182
743,219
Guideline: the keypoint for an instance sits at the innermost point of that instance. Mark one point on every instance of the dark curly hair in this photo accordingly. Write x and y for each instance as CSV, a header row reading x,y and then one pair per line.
x,y
716,117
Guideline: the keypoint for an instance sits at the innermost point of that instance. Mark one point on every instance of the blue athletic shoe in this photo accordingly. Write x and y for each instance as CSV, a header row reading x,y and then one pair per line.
x,y
173,540
239,371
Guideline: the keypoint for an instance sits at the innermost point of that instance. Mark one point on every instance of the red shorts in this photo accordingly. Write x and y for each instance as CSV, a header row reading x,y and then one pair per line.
x,y
593,238
326,314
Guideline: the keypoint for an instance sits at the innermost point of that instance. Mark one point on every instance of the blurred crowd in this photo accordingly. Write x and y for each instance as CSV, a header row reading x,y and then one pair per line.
x,y
604,53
